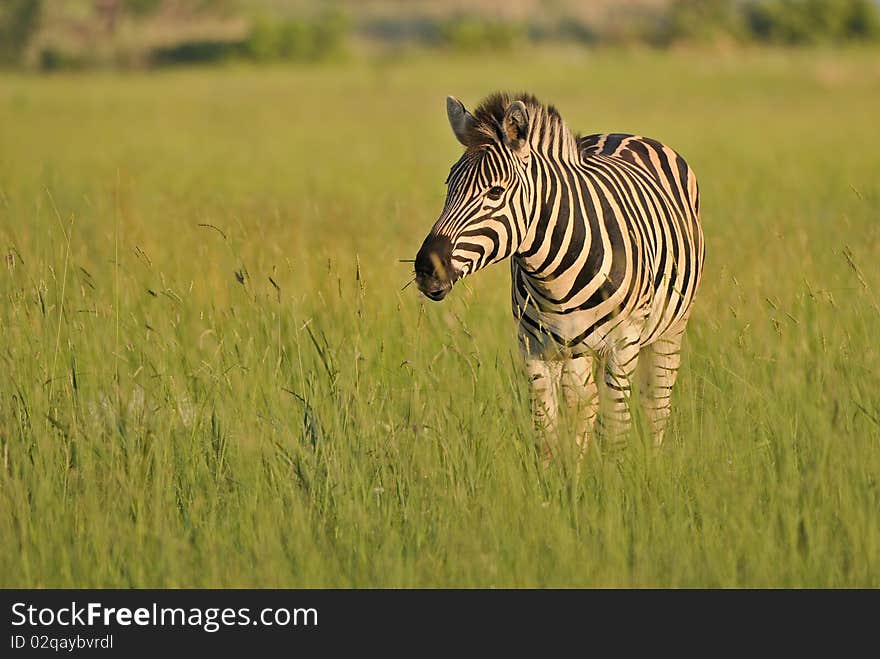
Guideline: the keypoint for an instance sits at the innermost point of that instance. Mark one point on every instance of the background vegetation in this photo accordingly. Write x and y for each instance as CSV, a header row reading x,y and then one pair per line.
x,y
76,34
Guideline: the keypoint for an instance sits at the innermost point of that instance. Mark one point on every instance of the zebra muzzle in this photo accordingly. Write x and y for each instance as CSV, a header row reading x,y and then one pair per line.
x,y
434,272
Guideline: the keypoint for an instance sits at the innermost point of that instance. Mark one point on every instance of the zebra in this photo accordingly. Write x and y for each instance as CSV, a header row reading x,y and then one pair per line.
x,y
606,255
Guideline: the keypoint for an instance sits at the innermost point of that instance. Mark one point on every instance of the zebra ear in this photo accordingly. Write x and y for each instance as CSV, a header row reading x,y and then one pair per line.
x,y
460,119
516,127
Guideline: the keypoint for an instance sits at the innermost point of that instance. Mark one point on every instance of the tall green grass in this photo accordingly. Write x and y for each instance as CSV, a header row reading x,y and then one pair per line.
x,y
212,372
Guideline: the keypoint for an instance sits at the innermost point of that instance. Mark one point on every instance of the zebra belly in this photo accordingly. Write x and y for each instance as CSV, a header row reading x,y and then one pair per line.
x,y
562,336
599,329
556,333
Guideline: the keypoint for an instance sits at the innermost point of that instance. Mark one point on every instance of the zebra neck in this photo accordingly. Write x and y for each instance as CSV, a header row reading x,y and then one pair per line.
x,y
555,219
550,137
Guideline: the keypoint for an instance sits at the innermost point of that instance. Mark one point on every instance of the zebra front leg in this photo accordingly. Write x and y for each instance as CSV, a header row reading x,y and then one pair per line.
x,y
663,360
581,397
620,366
544,379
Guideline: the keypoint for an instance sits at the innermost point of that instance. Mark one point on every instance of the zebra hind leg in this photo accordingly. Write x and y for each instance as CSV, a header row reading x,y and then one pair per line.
x,y
620,366
663,359
580,396
544,379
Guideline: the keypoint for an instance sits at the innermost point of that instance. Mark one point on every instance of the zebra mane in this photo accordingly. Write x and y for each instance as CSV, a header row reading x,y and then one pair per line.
x,y
490,114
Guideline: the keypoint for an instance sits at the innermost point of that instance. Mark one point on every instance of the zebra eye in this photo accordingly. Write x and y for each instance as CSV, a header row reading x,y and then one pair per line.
x,y
495,193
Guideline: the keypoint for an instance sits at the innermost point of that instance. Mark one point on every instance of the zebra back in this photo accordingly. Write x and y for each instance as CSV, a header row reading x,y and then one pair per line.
x,y
665,165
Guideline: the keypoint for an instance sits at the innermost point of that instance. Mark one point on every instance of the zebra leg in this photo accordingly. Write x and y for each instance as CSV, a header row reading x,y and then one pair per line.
x,y
620,366
581,397
663,360
544,378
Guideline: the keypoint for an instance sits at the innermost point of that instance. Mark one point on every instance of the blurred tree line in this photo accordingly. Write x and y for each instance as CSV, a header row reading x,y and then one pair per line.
x,y
792,22
74,34
56,34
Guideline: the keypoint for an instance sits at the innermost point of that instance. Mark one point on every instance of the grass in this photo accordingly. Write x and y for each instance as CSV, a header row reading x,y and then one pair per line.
x,y
211,373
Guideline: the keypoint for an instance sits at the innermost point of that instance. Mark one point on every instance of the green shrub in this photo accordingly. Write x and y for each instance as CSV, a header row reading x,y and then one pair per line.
x,y
318,38
263,42
142,7
56,59
472,33
330,30
195,52
700,20
296,40
812,21
862,21
19,21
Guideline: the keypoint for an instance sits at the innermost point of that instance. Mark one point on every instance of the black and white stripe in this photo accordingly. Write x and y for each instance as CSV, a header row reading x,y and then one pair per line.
x,y
606,246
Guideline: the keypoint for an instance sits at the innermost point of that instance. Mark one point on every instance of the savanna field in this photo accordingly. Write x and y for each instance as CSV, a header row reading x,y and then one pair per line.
x,y
213,372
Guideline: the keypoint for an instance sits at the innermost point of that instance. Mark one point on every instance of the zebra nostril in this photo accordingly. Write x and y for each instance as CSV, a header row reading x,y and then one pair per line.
x,y
435,258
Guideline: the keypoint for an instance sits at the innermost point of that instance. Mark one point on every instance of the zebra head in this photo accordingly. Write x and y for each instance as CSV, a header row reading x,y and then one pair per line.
x,y
488,191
